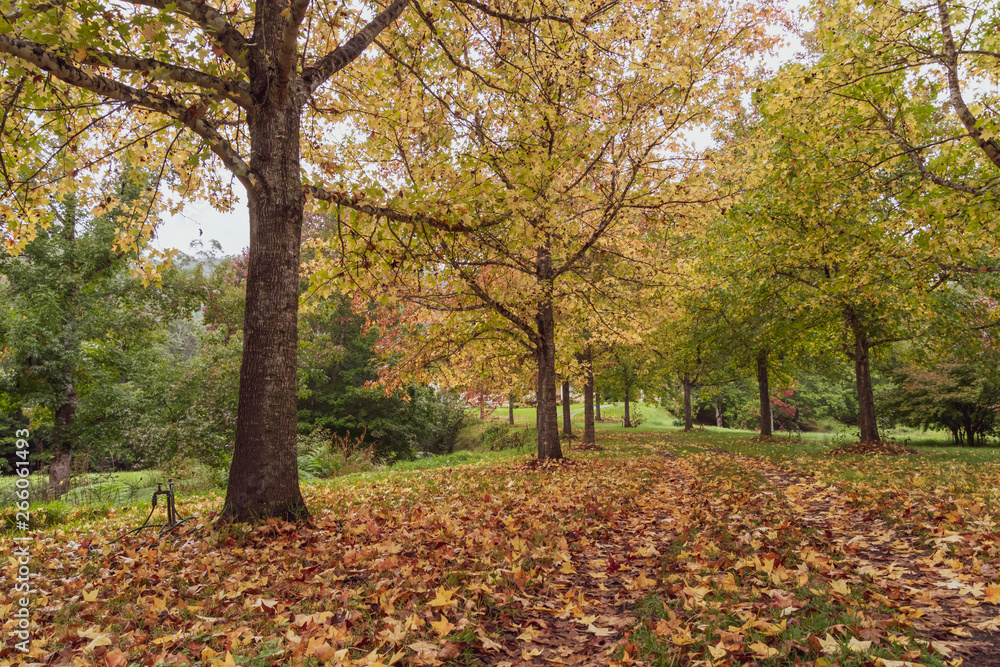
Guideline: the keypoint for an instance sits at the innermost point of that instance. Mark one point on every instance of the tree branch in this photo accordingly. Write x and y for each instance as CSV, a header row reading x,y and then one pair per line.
x,y
345,200
315,76
289,44
988,146
70,72
521,20
236,91
211,21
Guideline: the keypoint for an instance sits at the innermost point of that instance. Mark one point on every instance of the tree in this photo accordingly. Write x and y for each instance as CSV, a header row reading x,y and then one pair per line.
x,y
193,90
74,321
526,155
954,394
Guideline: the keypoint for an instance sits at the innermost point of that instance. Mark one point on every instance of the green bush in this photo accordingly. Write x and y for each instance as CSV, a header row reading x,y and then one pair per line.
x,y
499,437
325,455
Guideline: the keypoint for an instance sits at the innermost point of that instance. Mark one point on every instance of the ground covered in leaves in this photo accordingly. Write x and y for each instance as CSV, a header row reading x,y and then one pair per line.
x,y
659,549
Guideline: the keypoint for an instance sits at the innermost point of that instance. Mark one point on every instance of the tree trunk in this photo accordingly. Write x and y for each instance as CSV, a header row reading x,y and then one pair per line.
x,y
688,419
867,426
60,469
589,431
263,477
766,422
627,422
597,404
545,352
510,409
567,417
718,414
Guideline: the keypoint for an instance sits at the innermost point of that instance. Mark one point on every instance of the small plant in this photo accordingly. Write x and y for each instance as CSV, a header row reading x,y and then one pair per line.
x,y
331,455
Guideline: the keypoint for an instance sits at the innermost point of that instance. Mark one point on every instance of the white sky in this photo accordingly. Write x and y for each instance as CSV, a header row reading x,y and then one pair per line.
x,y
231,230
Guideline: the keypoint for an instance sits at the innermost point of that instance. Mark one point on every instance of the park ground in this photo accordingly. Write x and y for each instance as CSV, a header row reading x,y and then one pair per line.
x,y
658,547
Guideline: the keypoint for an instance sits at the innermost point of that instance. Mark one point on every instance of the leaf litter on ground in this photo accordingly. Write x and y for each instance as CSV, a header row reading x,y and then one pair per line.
x,y
643,553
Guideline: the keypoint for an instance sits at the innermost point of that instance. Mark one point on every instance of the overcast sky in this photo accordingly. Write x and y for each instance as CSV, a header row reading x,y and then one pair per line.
x,y
199,221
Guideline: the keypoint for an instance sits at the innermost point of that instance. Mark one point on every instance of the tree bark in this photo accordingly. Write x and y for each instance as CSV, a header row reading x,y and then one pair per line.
x,y
510,409
688,419
867,425
548,416
589,431
263,477
766,423
545,352
567,417
718,414
627,421
61,467
597,404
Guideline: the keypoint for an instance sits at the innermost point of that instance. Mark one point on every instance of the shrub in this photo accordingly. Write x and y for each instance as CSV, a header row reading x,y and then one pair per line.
x,y
502,436
328,455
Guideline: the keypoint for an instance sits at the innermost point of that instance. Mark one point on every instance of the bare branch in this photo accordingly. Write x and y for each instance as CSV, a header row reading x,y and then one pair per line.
x,y
315,76
70,72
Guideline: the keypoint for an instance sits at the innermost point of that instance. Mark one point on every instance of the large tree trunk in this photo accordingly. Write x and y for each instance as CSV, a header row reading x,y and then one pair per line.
x,y
263,477
567,417
867,426
766,422
688,418
545,352
61,466
589,431
627,421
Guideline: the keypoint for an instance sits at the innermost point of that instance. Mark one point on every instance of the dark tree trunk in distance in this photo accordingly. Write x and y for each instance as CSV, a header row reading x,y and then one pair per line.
x,y
60,469
597,406
627,422
765,394
567,418
688,419
589,431
867,425
510,409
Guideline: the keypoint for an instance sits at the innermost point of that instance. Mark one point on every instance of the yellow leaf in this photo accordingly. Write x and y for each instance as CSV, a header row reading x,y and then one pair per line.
x,y
442,627
840,587
718,651
858,646
530,634
993,593
103,640
444,598
90,597
600,632
763,650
